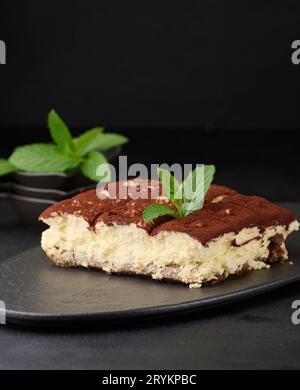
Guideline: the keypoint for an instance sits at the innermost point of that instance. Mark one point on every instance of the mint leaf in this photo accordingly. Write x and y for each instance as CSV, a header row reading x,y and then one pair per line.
x,y
42,158
170,185
59,132
109,140
209,173
156,210
6,167
171,188
90,166
195,187
88,141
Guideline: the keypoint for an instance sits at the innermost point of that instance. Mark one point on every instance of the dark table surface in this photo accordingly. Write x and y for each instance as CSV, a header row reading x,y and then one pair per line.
x,y
253,334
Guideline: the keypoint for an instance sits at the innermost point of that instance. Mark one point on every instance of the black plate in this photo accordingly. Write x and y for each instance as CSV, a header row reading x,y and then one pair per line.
x,y
36,292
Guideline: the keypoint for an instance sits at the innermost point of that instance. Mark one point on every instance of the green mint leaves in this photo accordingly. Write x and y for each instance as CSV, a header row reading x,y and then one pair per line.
x,y
196,186
156,210
43,158
59,132
109,140
91,164
66,154
6,167
95,139
88,141
187,197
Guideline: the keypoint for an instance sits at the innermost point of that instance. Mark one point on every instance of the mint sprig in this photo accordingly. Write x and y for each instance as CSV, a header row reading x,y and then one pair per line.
x,y
172,189
156,210
195,187
187,197
88,141
60,133
91,164
95,139
66,153
6,167
43,158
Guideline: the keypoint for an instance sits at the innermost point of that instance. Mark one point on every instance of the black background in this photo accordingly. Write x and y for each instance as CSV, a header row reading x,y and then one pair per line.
x,y
187,81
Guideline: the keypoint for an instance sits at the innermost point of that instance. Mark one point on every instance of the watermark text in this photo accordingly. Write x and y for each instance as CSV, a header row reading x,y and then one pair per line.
x,y
2,313
2,53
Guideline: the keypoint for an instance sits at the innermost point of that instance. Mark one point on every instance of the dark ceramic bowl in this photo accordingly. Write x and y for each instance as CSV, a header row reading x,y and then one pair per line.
x,y
32,193
48,181
29,209
41,193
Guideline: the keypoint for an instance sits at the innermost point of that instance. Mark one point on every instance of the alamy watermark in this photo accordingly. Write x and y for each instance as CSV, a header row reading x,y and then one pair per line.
x,y
2,313
296,313
2,53
296,53
137,181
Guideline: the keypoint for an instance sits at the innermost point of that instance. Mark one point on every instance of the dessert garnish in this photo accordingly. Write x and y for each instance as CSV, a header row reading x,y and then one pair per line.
x,y
187,196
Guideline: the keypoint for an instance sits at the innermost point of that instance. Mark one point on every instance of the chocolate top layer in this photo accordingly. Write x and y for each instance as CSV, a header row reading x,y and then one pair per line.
x,y
224,210
232,214
92,204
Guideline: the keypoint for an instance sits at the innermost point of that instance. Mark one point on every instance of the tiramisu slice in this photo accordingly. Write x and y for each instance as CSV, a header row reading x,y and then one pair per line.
x,y
231,234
